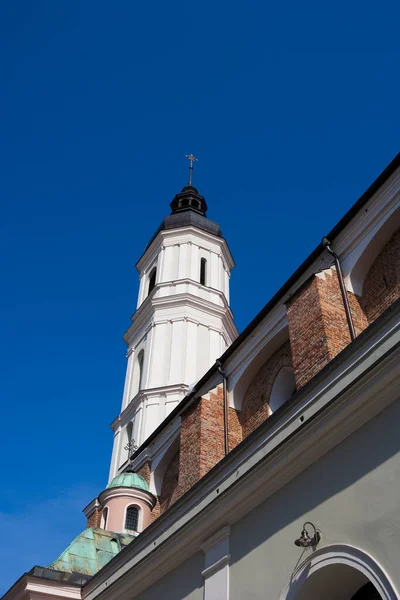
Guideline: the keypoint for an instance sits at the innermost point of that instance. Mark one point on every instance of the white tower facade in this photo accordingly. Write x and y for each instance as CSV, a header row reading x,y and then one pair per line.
x,y
182,324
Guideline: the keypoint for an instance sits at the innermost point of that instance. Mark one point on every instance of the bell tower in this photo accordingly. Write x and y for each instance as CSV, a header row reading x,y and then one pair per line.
x,y
182,324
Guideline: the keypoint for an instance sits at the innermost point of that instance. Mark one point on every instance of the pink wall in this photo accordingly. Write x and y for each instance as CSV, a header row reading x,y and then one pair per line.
x,y
116,512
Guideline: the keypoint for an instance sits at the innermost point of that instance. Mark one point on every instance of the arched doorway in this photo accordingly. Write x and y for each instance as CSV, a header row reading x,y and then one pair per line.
x,y
336,582
339,572
367,592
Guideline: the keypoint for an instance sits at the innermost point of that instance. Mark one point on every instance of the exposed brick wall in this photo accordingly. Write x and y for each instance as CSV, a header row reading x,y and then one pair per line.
x,y
155,513
212,448
235,434
94,519
382,284
360,320
255,407
190,445
169,489
318,327
145,471
202,438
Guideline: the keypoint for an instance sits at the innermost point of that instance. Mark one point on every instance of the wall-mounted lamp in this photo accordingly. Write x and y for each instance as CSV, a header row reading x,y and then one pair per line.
x,y
305,541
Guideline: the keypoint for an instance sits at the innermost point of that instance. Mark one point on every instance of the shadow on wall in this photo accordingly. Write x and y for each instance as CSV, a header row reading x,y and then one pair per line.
x,y
184,583
371,446
270,388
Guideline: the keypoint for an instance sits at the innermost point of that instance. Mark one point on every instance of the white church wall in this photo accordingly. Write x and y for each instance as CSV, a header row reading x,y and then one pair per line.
x,y
159,364
194,262
190,351
354,502
176,366
183,265
181,329
226,276
179,253
203,350
129,370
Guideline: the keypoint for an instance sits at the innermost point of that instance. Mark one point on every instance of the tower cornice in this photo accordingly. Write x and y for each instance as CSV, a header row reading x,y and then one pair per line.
x,y
145,316
184,235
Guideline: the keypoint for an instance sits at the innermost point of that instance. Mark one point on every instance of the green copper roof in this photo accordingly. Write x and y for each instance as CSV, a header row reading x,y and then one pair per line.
x,y
90,551
129,480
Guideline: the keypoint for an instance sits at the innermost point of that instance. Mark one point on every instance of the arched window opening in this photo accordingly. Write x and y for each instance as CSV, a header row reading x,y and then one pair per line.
x,y
137,379
283,388
140,366
152,280
132,519
104,518
203,271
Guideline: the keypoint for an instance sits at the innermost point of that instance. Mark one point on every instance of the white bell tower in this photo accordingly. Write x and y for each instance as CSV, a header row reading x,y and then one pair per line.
x,y
182,324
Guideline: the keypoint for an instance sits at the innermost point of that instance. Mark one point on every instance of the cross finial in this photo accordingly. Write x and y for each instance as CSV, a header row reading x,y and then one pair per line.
x,y
191,160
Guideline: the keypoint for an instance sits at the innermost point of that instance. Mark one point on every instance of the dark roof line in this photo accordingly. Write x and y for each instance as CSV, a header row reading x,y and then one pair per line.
x,y
373,188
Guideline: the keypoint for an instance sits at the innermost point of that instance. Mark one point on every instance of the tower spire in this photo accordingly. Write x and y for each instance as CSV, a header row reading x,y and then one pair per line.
x,y
191,158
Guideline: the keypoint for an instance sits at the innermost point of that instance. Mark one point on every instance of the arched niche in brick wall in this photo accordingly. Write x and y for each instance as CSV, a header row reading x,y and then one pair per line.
x,y
382,283
275,376
160,465
240,382
283,388
169,489
358,263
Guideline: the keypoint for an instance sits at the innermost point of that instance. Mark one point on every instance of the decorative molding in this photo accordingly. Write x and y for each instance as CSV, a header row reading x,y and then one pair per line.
x,y
216,572
216,567
127,492
148,310
134,405
343,554
186,235
220,536
91,507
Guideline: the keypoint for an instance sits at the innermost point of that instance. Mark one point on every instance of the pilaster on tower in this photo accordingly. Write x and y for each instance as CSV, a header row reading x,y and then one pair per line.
x,y
182,324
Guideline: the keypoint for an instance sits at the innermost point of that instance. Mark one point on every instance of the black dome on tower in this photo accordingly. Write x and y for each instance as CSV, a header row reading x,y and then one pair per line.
x,y
189,199
188,208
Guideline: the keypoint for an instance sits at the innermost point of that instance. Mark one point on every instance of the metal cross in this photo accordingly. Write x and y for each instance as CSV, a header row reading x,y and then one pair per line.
x,y
131,447
192,159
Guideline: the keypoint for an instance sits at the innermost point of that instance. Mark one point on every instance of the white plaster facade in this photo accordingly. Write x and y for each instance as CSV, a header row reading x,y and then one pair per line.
x,y
181,326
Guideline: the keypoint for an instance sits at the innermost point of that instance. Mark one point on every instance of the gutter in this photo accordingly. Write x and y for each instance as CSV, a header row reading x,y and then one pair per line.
x,y
226,407
326,244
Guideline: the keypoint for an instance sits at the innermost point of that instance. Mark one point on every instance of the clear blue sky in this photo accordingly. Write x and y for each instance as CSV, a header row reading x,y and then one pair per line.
x,y
292,109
